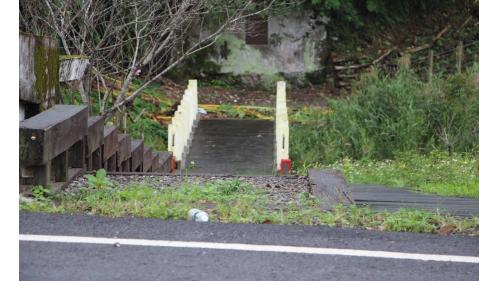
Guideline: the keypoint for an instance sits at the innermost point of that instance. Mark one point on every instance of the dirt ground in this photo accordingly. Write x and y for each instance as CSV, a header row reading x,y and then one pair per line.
x,y
315,95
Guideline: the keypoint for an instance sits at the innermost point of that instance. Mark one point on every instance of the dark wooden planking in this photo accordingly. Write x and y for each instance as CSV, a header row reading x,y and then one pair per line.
x,y
110,163
382,198
137,154
48,134
155,162
124,147
125,165
59,166
95,133
110,143
76,154
330,187
38,70
165,161
147,159
94,162
240,147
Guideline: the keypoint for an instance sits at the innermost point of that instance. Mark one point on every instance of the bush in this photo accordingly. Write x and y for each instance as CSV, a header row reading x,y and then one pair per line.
x,y
390,114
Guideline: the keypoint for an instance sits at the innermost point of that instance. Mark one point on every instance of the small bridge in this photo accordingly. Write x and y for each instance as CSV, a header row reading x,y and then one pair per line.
x,y
229,146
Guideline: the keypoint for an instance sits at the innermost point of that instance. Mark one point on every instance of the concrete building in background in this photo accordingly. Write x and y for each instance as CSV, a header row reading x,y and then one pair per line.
x,y
265,50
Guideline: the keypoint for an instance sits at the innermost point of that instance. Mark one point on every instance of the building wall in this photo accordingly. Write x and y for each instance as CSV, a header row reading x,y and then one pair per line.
x,y
295,47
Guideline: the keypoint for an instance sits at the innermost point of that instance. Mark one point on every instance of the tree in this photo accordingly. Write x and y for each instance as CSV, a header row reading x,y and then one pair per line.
x,y
123,38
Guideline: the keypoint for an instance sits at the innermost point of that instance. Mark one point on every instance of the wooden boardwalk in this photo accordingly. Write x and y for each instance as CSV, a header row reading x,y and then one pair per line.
x,y
392,199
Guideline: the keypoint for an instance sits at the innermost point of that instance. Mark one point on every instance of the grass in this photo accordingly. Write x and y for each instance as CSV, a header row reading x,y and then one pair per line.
x,y
399,131
436,172
232,201
386,115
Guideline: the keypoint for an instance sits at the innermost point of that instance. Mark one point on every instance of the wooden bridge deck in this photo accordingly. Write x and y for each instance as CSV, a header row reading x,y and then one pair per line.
x,y
232,147
382,198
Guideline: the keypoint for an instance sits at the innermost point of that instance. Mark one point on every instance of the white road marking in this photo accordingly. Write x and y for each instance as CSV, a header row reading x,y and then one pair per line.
x,y
248,247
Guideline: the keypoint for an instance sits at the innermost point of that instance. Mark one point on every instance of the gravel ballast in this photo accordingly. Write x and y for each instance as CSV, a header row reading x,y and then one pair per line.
x,y
281,190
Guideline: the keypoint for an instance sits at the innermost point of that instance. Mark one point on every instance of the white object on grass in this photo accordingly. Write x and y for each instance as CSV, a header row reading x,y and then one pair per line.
x,y
197,215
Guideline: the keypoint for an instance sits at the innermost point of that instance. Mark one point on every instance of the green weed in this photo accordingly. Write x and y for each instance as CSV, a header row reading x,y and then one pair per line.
x,y
237,202
232,111
99,181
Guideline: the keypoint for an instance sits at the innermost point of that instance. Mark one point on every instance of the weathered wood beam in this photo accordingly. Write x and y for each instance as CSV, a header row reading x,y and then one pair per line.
x,y
124,152
137,154
48,134
147,159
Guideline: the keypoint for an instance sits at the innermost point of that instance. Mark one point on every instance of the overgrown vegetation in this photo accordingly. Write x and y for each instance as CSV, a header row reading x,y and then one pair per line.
x,y
142,122
356,11
238,202
390,114
399,131
142,115
437,172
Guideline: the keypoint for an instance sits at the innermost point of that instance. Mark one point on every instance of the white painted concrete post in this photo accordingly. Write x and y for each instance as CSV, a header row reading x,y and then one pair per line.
x,y
282,131
193,86
182,123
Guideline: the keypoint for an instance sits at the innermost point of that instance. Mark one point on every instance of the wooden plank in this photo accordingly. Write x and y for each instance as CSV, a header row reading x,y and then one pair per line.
x,y
110,143
76,154
137,154
147,159
124,147
60,167
48,134
94,142
110,163
164,161
330,187
38,69
382,198
95,133
95,160
155,162
125,165
73,68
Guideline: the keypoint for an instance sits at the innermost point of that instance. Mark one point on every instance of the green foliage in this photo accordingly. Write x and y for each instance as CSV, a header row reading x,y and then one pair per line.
x,y
99,181
69,96
437,172
356,11
232,111
237,202
387,115
41,194
155,134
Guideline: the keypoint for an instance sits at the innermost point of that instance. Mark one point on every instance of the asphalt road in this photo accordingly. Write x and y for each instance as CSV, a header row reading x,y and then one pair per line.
x,y
97,261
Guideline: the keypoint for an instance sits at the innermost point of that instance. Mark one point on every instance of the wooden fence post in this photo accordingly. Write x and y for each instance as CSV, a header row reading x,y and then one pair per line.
x,y
460,56
431,65
405,61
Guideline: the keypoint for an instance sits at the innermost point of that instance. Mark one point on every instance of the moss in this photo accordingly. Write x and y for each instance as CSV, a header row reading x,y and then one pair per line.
x,y
243,58
309,55
46,69
70,57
